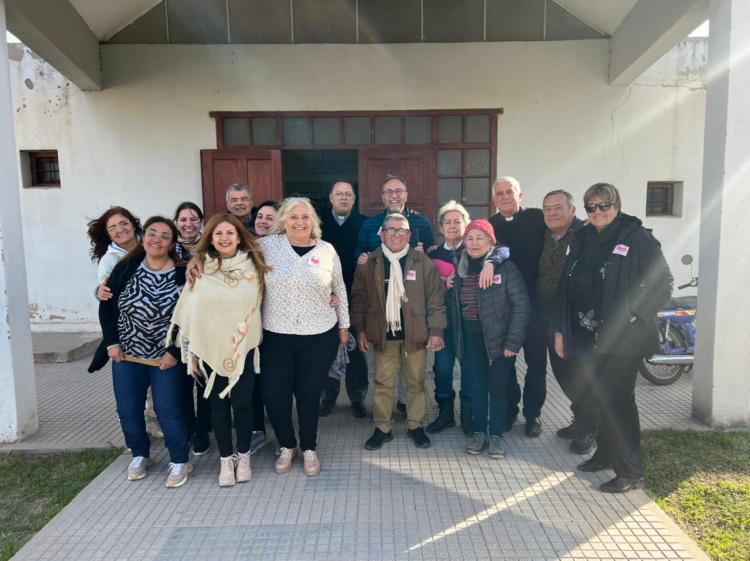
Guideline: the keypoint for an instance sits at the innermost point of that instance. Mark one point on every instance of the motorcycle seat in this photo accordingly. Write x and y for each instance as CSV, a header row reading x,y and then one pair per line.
x,y
682,303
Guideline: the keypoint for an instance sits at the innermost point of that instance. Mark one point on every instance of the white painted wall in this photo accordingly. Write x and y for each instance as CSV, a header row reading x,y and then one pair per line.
x,y
137,142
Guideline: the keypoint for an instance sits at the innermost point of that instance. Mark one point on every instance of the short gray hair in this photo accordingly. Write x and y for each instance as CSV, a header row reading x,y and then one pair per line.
x,y
507,179
234,187
286,208
453,206
568,197
397,217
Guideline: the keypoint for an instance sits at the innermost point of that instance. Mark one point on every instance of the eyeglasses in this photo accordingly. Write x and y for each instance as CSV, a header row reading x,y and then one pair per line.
x,y
344,195
121,224
392,192
604,207
396,231
154,234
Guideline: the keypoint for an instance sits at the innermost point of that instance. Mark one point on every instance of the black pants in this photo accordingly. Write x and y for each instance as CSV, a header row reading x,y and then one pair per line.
x,y
535,385
240,403
259,412
355,379
197,408
608,403
569,377
295,366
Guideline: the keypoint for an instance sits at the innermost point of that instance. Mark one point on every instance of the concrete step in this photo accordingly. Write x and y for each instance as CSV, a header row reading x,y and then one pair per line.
x,y
63,347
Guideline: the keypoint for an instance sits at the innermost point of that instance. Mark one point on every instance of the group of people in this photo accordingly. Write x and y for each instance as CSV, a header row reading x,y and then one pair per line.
x,y
264,307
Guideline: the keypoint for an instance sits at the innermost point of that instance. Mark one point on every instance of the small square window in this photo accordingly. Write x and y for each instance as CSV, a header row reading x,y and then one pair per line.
x,y
664,198
40,168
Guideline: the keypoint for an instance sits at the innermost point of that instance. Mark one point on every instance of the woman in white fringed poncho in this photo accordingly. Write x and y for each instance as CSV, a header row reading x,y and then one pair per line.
x,y
219,323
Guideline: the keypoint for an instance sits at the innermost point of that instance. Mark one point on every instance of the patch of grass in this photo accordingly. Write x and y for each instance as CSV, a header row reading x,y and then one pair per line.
x,y
702,480
35,487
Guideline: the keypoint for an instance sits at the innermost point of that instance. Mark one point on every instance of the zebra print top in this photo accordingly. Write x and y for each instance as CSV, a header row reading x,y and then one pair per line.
x,y
146,305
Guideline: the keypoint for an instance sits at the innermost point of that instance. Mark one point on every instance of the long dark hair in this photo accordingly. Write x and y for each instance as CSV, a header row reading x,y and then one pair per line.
x,y
139,251
205,248
97,231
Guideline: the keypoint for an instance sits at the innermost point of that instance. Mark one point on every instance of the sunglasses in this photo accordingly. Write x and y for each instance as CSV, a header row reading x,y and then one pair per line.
x,y
604,207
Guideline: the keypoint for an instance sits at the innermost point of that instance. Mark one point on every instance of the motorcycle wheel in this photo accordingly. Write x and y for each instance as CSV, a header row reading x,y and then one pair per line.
x,y
665,374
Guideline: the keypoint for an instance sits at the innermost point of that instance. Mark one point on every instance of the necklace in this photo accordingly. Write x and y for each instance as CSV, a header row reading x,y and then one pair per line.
x,y
155,269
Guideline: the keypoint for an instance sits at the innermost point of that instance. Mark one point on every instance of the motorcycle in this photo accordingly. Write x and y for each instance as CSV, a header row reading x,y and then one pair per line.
x,y
676,337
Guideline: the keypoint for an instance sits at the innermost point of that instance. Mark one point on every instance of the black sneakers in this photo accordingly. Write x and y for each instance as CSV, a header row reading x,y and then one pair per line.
x,y
419,437
326,406
378,438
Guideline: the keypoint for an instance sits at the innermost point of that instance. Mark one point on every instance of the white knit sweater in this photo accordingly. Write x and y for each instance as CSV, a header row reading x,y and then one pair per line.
x,y
298,289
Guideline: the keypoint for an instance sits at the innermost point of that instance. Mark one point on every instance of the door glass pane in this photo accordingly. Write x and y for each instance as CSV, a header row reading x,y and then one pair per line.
x,y
387,130
449,162
478,128
357,130
264,131
477,162
326,130
449,129
296,131
418,130
478,212
477,190
449,190
235,132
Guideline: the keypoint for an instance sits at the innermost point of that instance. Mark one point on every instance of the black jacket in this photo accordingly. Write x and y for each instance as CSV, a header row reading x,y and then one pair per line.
x,y
109,311
636,284
524,235
504,312
344,240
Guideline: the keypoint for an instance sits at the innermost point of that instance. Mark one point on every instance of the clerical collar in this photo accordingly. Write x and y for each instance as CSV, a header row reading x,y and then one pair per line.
x,y
340,219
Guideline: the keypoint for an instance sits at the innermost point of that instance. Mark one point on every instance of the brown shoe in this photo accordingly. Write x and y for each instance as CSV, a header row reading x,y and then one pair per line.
x,y
312,463
286,457
244,471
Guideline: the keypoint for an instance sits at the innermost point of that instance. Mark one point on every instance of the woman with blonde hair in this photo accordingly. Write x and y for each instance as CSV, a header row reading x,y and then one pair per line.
x,y
219,325
301,331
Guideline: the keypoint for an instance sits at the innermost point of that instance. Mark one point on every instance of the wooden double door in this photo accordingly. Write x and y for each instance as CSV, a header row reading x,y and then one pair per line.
x,y
262,170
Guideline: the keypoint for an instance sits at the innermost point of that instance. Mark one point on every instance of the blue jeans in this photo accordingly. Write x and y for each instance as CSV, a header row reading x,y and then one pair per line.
x,y
130,382
488,384
445,360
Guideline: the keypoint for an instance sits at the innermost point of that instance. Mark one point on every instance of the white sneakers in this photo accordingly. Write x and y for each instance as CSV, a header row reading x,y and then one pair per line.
x,y
138,468
178,474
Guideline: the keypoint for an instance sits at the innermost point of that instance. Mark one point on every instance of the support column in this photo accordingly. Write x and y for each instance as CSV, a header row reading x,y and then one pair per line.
x,y
721,388
18,414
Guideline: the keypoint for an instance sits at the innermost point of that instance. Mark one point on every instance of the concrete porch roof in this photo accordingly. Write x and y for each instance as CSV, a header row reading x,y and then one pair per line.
x,y
68,33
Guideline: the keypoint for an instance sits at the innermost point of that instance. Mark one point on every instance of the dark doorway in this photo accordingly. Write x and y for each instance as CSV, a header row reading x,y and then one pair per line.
x,y
310,173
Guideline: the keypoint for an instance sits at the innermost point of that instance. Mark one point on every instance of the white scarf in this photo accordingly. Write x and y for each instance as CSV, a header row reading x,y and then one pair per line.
x,y
396,292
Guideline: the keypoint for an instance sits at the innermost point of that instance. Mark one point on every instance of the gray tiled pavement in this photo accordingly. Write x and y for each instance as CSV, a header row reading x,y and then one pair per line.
x,y
399,503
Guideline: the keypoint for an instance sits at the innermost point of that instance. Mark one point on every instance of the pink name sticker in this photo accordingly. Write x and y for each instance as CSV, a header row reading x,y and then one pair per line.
x,y
314,260
411,275
621,249
497,279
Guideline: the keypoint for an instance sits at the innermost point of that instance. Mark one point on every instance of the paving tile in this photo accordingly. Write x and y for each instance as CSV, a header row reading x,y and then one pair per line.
x,y
399,503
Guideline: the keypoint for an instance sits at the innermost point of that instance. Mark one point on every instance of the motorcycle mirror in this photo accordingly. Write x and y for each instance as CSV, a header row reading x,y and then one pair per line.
x,y
687,259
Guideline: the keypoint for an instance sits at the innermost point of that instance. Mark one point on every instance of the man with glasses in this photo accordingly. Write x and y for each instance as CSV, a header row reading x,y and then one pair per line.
x,y
561,221
522,230
398,308
340,226
240,203
395,195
